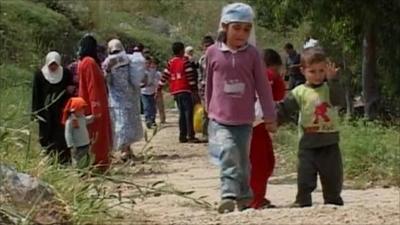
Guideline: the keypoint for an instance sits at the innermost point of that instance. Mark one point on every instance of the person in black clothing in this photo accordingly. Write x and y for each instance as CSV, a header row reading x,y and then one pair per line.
x,y
52,87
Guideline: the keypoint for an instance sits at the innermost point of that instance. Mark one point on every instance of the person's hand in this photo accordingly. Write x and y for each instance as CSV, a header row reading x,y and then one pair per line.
x,y
270,125
70,89
331,71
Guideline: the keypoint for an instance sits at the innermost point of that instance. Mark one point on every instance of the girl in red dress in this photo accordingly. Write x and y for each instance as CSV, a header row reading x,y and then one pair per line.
x,y
261,151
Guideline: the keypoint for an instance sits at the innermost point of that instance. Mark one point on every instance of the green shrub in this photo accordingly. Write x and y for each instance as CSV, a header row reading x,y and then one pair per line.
x,y
371,151
29,31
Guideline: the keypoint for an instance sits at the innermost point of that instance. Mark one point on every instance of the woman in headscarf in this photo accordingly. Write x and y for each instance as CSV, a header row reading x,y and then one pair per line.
x,y
123,81
52,86
92,89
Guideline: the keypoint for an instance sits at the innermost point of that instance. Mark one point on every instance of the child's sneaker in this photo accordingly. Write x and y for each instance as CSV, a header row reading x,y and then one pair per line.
x,y
226,205
193,140
183,140
338,202
298,205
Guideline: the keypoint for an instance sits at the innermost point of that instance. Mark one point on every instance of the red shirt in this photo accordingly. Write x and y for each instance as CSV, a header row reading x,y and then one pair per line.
x,y
180,75
277,84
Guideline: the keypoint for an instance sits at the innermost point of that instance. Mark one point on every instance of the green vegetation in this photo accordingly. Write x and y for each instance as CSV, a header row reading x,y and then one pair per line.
x,y
30,28
370,152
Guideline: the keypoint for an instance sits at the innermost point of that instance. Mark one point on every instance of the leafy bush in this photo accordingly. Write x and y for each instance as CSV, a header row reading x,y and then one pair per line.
x,y
28,31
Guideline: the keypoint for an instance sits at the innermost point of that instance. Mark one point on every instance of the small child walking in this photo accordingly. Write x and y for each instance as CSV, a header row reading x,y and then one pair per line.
x,y
235,74
319,152
206,42
148,92
76,133
262,157
159,93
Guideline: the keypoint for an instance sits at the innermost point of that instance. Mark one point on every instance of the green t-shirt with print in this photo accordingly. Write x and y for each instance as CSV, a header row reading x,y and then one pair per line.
x,y
316,113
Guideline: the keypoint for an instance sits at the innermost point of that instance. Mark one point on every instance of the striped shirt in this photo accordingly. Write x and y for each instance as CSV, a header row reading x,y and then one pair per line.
x,y
189,73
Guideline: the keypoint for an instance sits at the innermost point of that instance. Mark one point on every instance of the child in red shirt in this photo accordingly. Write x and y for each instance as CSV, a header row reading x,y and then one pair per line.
x,y
261,151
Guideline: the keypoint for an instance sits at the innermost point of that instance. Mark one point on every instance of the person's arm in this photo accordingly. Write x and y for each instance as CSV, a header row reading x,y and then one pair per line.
x,y
336,92
278,88
89,119
37,98
190,73
69,82
146,81
208,82
89,90
68,134
264,92
164,78
287,108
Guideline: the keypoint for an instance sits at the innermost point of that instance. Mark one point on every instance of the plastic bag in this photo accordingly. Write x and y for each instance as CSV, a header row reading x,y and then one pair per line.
x,y
198,114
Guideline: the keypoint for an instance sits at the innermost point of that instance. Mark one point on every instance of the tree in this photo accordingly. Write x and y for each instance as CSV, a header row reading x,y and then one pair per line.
x,y
357,29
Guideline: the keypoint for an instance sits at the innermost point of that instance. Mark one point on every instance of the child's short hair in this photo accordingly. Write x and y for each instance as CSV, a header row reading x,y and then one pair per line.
x,y
288,46
272,58
312,55
155,61
208,40
178,48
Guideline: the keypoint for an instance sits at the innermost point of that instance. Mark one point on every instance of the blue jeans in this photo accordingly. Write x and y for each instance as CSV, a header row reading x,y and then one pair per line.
x,y
229,148
149,108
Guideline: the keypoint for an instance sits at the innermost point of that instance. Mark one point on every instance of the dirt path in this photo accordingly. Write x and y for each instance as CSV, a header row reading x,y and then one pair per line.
x,y
186,167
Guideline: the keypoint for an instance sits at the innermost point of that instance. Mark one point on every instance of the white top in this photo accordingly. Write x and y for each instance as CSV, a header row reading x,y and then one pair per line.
x,y
153,77
77,137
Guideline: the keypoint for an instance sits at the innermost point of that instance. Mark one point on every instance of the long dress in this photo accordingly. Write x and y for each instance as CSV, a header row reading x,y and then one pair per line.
x,y
48,101
92,89
123,81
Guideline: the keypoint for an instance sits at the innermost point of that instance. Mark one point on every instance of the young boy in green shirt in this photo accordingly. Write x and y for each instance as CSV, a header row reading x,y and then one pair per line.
x,y
319,152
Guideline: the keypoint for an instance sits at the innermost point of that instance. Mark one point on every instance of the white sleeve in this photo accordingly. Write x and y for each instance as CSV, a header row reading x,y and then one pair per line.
x,y
89,119
68,134
259,115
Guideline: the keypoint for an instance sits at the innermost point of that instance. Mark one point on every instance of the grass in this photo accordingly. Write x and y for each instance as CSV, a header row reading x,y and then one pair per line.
x,y
370,151
19,148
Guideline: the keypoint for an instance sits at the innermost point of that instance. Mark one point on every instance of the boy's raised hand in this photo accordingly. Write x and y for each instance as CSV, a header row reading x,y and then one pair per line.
x,y
331,71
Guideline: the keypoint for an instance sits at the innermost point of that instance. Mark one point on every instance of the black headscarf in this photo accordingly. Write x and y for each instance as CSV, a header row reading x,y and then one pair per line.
x,y
88,47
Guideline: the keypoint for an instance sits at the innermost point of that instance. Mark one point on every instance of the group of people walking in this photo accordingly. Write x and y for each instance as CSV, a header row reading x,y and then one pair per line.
x,y
243,93
95,105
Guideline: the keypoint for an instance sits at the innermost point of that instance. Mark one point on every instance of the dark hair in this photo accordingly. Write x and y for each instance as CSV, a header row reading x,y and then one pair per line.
x,y
149,58
312,55
208,40
221,37
88,47
178,48
272,58
288,46
138,47
156,60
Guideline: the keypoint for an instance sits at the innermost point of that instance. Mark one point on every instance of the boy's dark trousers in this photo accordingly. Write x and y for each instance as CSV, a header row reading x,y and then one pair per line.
x,y
184,102
326,162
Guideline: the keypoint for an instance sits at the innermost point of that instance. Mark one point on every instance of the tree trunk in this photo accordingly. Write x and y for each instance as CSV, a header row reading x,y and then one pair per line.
x,y
369,75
